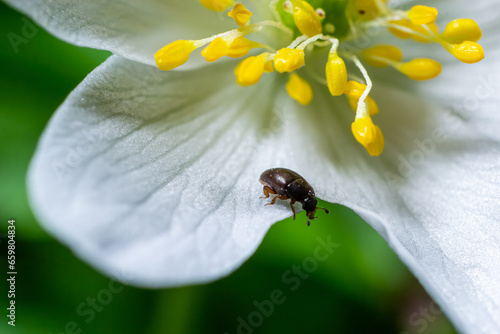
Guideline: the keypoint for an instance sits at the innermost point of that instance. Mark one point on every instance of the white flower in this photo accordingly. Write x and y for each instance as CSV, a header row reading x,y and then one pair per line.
x,y
153,176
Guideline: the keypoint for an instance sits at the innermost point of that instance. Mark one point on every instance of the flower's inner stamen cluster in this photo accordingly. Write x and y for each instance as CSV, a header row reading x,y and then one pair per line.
x,y
316,28
459,37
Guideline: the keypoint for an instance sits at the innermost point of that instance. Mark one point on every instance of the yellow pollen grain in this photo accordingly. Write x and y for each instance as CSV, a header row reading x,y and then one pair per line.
x,y
174,54
288,60
240,14
336,74
217,5
249,71
422,15
369,135
381,55
216,49
420,69
468,52
299,89
461,30
306,19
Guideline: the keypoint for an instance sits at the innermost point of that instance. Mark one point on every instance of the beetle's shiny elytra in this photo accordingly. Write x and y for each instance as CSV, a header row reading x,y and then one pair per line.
x,y
286,184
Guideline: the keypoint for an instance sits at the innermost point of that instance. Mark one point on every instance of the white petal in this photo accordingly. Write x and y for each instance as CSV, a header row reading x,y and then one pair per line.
x,y
153,176
433,194
117,176
132,29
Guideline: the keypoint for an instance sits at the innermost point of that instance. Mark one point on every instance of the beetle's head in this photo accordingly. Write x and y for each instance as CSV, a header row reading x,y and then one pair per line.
x,y
309,205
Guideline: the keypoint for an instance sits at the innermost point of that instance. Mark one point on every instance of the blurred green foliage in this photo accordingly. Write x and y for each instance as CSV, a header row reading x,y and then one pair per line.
x,y
361,287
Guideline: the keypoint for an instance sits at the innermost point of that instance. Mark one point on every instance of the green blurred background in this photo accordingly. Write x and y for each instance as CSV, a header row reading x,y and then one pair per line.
x,y
361,288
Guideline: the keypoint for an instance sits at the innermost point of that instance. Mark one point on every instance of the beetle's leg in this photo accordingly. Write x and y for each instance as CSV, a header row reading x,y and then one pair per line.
x,y
282,197
267,191
293,209
273,201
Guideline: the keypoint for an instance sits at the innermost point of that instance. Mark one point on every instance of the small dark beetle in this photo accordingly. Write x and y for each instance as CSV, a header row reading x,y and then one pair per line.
x,y
287,184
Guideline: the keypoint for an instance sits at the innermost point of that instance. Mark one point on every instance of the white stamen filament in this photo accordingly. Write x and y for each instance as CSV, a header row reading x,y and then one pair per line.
x,y
311,40
297,41
335,44
362,111
407,30
243,31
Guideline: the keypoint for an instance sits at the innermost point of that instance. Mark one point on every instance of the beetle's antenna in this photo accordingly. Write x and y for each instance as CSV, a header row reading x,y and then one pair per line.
x,y
326,210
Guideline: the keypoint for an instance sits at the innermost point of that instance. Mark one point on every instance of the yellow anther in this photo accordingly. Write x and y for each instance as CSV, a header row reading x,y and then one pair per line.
x,y
336,74
217,5
381,55
174,54
239,47
268,67
288,60
367,9
299,89
420,69
249,71
240,14
422,15
216,49
306,19
468,52
369,135
354,90
461,30
421,30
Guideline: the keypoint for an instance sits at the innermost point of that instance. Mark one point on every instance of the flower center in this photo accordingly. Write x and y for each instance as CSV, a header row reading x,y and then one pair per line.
x,y
316,24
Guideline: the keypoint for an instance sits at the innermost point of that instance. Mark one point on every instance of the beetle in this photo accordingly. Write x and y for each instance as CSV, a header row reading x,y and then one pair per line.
x,y
287,184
